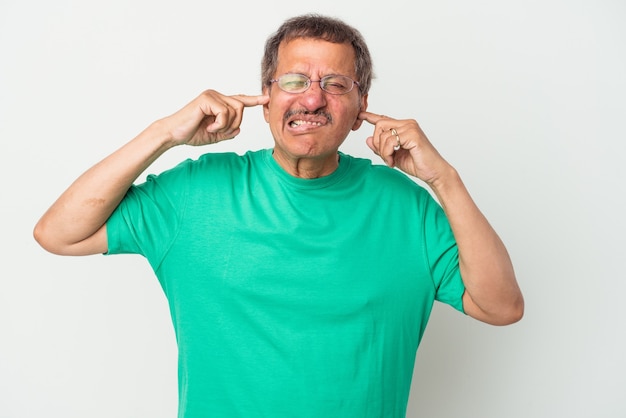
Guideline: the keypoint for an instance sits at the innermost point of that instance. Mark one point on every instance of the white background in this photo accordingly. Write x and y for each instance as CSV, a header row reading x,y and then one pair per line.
x,y
526,99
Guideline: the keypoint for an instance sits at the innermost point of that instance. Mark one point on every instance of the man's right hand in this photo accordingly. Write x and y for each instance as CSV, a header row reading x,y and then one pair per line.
x,y
211,117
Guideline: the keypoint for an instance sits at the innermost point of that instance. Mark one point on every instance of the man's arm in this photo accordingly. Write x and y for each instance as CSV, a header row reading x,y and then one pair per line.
x,y
492,294
76,223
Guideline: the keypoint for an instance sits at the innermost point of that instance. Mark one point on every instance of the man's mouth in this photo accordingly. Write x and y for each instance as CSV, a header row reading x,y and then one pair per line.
x,y
300,122
300,118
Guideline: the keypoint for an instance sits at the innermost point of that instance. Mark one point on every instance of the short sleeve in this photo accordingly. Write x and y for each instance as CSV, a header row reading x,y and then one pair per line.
x,y
148,218
443,256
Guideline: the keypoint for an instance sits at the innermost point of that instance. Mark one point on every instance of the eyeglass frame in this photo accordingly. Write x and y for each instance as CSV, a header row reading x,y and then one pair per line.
x,y
309,82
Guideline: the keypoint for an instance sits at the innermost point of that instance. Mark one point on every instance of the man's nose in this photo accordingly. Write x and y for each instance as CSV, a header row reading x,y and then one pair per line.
x,y
314,97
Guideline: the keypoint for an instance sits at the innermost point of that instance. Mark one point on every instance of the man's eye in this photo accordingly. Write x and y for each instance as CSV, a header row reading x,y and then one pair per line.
x,y
335,86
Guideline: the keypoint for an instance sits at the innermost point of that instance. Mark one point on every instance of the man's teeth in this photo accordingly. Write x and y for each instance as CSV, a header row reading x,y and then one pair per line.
x,y
304,122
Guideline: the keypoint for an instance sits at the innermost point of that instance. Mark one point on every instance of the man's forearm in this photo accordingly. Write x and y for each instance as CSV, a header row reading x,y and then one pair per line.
x,y
83,209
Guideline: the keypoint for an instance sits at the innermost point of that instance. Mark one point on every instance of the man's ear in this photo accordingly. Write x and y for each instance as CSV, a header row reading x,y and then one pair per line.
x,y
266,108
358,122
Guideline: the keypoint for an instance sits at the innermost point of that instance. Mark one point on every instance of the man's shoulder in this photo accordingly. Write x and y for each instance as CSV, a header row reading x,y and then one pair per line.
x,y
380,173
215,161
231,156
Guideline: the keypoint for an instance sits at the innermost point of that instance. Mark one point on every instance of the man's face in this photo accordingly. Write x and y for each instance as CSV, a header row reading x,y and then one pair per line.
x,y
312,124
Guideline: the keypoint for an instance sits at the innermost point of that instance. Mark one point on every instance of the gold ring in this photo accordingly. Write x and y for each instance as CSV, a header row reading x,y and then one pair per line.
x,y
394,132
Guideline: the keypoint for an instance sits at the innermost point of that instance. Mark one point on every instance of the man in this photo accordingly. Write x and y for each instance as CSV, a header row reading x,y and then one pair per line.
x,y
299,279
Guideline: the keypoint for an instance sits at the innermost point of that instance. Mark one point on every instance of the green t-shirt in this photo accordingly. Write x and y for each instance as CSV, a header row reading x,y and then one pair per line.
x,y
292,297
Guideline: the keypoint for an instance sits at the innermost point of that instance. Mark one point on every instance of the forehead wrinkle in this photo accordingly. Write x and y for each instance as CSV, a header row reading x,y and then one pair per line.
x,y
313,63
313,76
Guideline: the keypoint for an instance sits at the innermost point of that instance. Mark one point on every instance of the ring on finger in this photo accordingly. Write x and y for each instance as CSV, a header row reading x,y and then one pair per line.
x,y
395,133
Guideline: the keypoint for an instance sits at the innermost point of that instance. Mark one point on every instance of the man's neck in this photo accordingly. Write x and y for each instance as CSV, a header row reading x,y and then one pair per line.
x,y
308,168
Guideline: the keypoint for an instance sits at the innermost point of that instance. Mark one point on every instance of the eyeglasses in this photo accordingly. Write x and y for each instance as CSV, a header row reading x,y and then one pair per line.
x,y
299,83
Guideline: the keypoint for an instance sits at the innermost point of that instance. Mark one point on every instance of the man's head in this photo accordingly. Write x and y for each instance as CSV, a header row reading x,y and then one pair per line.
x,y
317,72
321,28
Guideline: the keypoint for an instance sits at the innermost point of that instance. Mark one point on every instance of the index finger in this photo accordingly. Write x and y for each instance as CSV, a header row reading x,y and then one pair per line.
x,y
250,101
372,118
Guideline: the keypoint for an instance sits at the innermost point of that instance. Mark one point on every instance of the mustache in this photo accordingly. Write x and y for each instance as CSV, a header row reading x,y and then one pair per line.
x,y
319,112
